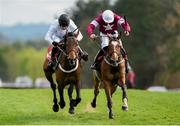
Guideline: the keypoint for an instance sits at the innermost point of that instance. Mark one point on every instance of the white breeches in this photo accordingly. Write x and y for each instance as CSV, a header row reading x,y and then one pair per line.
x,y
105,40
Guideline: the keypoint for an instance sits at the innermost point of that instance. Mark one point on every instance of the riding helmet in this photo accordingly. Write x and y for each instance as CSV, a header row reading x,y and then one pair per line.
x,y
64,20
108,16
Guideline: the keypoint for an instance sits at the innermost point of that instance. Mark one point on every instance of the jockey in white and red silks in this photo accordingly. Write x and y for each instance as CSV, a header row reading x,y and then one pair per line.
x,y
108,23
56,35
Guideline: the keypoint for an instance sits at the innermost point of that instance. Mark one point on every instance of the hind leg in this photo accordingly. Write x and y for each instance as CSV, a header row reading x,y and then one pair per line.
x,y
70,91
78,95
61,94
96,89
48,75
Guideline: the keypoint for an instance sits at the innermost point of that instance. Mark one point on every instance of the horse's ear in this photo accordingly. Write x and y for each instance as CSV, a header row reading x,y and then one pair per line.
x,y
76,34
119,35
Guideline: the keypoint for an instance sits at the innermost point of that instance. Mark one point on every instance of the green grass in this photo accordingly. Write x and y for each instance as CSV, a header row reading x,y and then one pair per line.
x,y
34,106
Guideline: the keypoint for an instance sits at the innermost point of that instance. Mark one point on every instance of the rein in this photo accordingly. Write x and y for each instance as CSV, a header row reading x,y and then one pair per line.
x,y
66,55
114,65
61,50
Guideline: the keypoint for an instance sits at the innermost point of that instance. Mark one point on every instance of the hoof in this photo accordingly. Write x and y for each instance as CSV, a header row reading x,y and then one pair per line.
x,y
71,110
62,104
125,105
55,108
78,100
73,103
111,116
93,104
124,108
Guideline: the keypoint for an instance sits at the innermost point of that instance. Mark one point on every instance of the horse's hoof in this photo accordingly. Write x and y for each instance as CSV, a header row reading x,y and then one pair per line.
x,y
124,108
111,116
73,103
93,104
71,110
55,108
78,100
62,104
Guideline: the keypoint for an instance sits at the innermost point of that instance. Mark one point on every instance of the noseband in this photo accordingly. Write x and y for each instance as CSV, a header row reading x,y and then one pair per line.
x,y
73,49
108,58
73,63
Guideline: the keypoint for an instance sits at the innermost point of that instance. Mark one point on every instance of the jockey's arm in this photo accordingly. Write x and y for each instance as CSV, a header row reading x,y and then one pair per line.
x,y
90,28
125,25
51,34
73,27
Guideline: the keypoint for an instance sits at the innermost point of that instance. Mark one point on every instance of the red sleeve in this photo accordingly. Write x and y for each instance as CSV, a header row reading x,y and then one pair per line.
x,y
126,27
89,29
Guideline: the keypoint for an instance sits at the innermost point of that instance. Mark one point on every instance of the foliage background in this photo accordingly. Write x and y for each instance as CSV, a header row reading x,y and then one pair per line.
x,y
153,46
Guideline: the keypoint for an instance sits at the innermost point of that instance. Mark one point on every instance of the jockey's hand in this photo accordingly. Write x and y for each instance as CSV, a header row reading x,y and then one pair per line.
x,y
113,35
126,33
55,43
93,37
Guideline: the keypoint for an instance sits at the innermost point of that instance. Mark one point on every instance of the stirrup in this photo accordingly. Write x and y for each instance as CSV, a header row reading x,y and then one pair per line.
x,y
93,66
84,56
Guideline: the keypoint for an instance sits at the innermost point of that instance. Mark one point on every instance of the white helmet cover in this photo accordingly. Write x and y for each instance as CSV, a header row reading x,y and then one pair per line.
x,y
108,16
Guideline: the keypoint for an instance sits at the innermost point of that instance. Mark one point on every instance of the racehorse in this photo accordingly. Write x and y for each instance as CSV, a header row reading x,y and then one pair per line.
x,y
67,73
111,74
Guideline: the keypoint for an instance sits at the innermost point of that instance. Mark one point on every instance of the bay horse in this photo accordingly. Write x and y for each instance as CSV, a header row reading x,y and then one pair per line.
x,y
67,73
111,74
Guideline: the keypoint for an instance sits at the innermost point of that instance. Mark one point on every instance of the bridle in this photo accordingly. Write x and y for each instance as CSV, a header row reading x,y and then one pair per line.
x,y
75,50
73,63
108,58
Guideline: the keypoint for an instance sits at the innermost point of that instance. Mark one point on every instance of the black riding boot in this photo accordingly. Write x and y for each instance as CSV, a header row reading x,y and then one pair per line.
x,y
124,54
98,55
83,54
53,60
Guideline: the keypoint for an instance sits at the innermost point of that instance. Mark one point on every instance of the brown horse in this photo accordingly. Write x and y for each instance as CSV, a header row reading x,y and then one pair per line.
x,y
67,73
111,74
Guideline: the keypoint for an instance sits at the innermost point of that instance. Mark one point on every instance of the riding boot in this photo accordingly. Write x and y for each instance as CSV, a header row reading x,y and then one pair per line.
x,y
53,60
95,64
124,54
83,54
98,58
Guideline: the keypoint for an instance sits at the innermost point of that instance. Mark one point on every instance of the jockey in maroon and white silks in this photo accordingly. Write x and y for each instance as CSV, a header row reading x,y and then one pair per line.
x,y
108,28
108,23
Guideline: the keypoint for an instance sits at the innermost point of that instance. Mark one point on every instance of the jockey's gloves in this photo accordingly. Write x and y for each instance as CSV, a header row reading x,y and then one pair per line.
x,y
93,37
55,43
126,33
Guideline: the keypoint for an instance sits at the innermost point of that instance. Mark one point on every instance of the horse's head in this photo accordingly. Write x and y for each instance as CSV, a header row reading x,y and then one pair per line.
x,y
71,48
114,53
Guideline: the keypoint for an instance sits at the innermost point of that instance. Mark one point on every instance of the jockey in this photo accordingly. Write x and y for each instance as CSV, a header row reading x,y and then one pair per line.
x,y
56,33
108,23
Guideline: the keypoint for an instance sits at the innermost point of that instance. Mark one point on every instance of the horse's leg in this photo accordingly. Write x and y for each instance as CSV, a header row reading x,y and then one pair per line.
x,y
48,75
124,98
78,95
61,93
70,91
109,98
96,90
113,89
124,88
